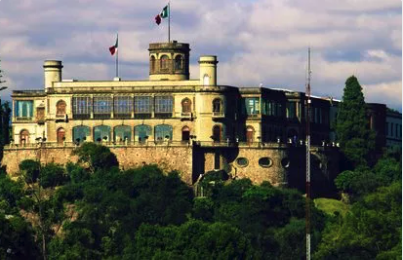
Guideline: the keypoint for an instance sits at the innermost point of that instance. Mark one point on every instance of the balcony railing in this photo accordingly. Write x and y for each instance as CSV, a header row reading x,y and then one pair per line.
x,y
218,115
23,118
187,115
165,143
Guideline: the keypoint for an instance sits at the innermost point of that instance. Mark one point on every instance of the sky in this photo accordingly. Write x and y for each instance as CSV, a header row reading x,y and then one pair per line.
x,y
258,42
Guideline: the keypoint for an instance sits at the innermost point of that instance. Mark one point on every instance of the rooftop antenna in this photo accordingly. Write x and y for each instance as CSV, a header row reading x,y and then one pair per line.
x,y
308,160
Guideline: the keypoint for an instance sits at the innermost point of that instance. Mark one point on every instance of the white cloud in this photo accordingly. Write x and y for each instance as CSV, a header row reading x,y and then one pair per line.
x,y
385,92
256,41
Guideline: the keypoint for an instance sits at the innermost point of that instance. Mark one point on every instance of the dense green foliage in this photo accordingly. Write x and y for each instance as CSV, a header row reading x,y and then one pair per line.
x,y
16,234
370,230
93,210
364,180
96,156
352,128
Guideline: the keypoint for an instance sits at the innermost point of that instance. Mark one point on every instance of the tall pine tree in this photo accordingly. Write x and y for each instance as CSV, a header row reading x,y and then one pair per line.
x,y
352,129
5,112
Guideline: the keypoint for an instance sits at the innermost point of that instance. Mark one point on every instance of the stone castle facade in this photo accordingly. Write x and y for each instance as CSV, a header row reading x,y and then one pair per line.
x,y
191,125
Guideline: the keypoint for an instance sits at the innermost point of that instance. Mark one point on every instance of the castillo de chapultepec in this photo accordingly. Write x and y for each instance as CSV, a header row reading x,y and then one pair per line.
x,y
191,125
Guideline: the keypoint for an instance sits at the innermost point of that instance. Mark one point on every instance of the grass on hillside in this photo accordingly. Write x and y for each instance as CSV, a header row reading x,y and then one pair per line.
x,y
330,206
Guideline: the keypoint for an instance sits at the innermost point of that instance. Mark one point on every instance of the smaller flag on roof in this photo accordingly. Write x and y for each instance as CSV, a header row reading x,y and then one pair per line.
x,y
164,14
114,48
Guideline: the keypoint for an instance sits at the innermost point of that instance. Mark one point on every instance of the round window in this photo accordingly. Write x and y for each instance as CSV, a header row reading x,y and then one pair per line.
x,y
265,162
285,162
242,161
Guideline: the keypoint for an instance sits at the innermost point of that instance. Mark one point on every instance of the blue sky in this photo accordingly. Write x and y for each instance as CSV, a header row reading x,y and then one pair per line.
x,y
260,41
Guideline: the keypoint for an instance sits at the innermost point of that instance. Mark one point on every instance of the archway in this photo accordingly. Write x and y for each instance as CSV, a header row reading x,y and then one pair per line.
x,y
250,134
60,135
186,106
185,133
60,108
217,133
24,137
102,133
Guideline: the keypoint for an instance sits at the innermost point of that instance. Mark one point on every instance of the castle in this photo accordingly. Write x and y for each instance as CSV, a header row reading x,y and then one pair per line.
x,y
191,125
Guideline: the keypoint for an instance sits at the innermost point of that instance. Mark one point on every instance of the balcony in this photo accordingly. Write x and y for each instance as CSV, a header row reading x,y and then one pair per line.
x,y
186,115
23,119
218,115
40,120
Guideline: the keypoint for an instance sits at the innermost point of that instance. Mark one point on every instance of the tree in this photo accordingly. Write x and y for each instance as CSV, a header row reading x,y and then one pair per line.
x,y
370,230
5,112
52,175
96,156
355,137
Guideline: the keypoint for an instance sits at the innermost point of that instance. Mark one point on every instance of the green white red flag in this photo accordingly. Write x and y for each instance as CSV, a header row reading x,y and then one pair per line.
x,y
164,14
114,48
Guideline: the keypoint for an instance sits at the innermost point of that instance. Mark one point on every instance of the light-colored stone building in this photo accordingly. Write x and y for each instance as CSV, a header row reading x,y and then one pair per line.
x,y
192,125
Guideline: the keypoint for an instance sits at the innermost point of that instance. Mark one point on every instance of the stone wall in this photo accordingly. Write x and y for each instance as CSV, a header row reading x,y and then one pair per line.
x,y
13,157
286,167
168,158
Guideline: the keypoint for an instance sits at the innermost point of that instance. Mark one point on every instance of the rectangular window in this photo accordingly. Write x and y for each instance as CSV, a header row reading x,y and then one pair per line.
x,y
291,110
391,129
122,106
270,110
24,109
163,106
279,110
102,107
252,106
81,107
397,130
387,128
320,115
142,107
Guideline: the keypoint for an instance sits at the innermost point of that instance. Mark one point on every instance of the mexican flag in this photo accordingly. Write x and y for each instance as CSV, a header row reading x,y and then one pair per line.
x,y
164,14
114,48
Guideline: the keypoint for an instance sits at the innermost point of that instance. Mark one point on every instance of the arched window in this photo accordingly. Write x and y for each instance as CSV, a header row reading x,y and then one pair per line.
x,y
216,133
60,108
80,133
178,62
102,133
152,64
142,132
185,133
164,62
186,106
163,132
24,137
122,133
60,135
250,132
217,105
206,80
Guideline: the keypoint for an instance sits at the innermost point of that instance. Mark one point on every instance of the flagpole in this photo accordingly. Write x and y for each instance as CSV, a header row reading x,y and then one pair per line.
x,y
117,56
169,22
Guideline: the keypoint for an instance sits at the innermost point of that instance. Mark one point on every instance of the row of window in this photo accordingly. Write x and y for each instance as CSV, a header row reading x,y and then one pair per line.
x,y
264,162
122,106
165,63
162,106
393,129
120,133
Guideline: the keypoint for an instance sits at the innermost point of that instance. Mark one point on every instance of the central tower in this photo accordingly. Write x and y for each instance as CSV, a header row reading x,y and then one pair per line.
x,y
169,61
